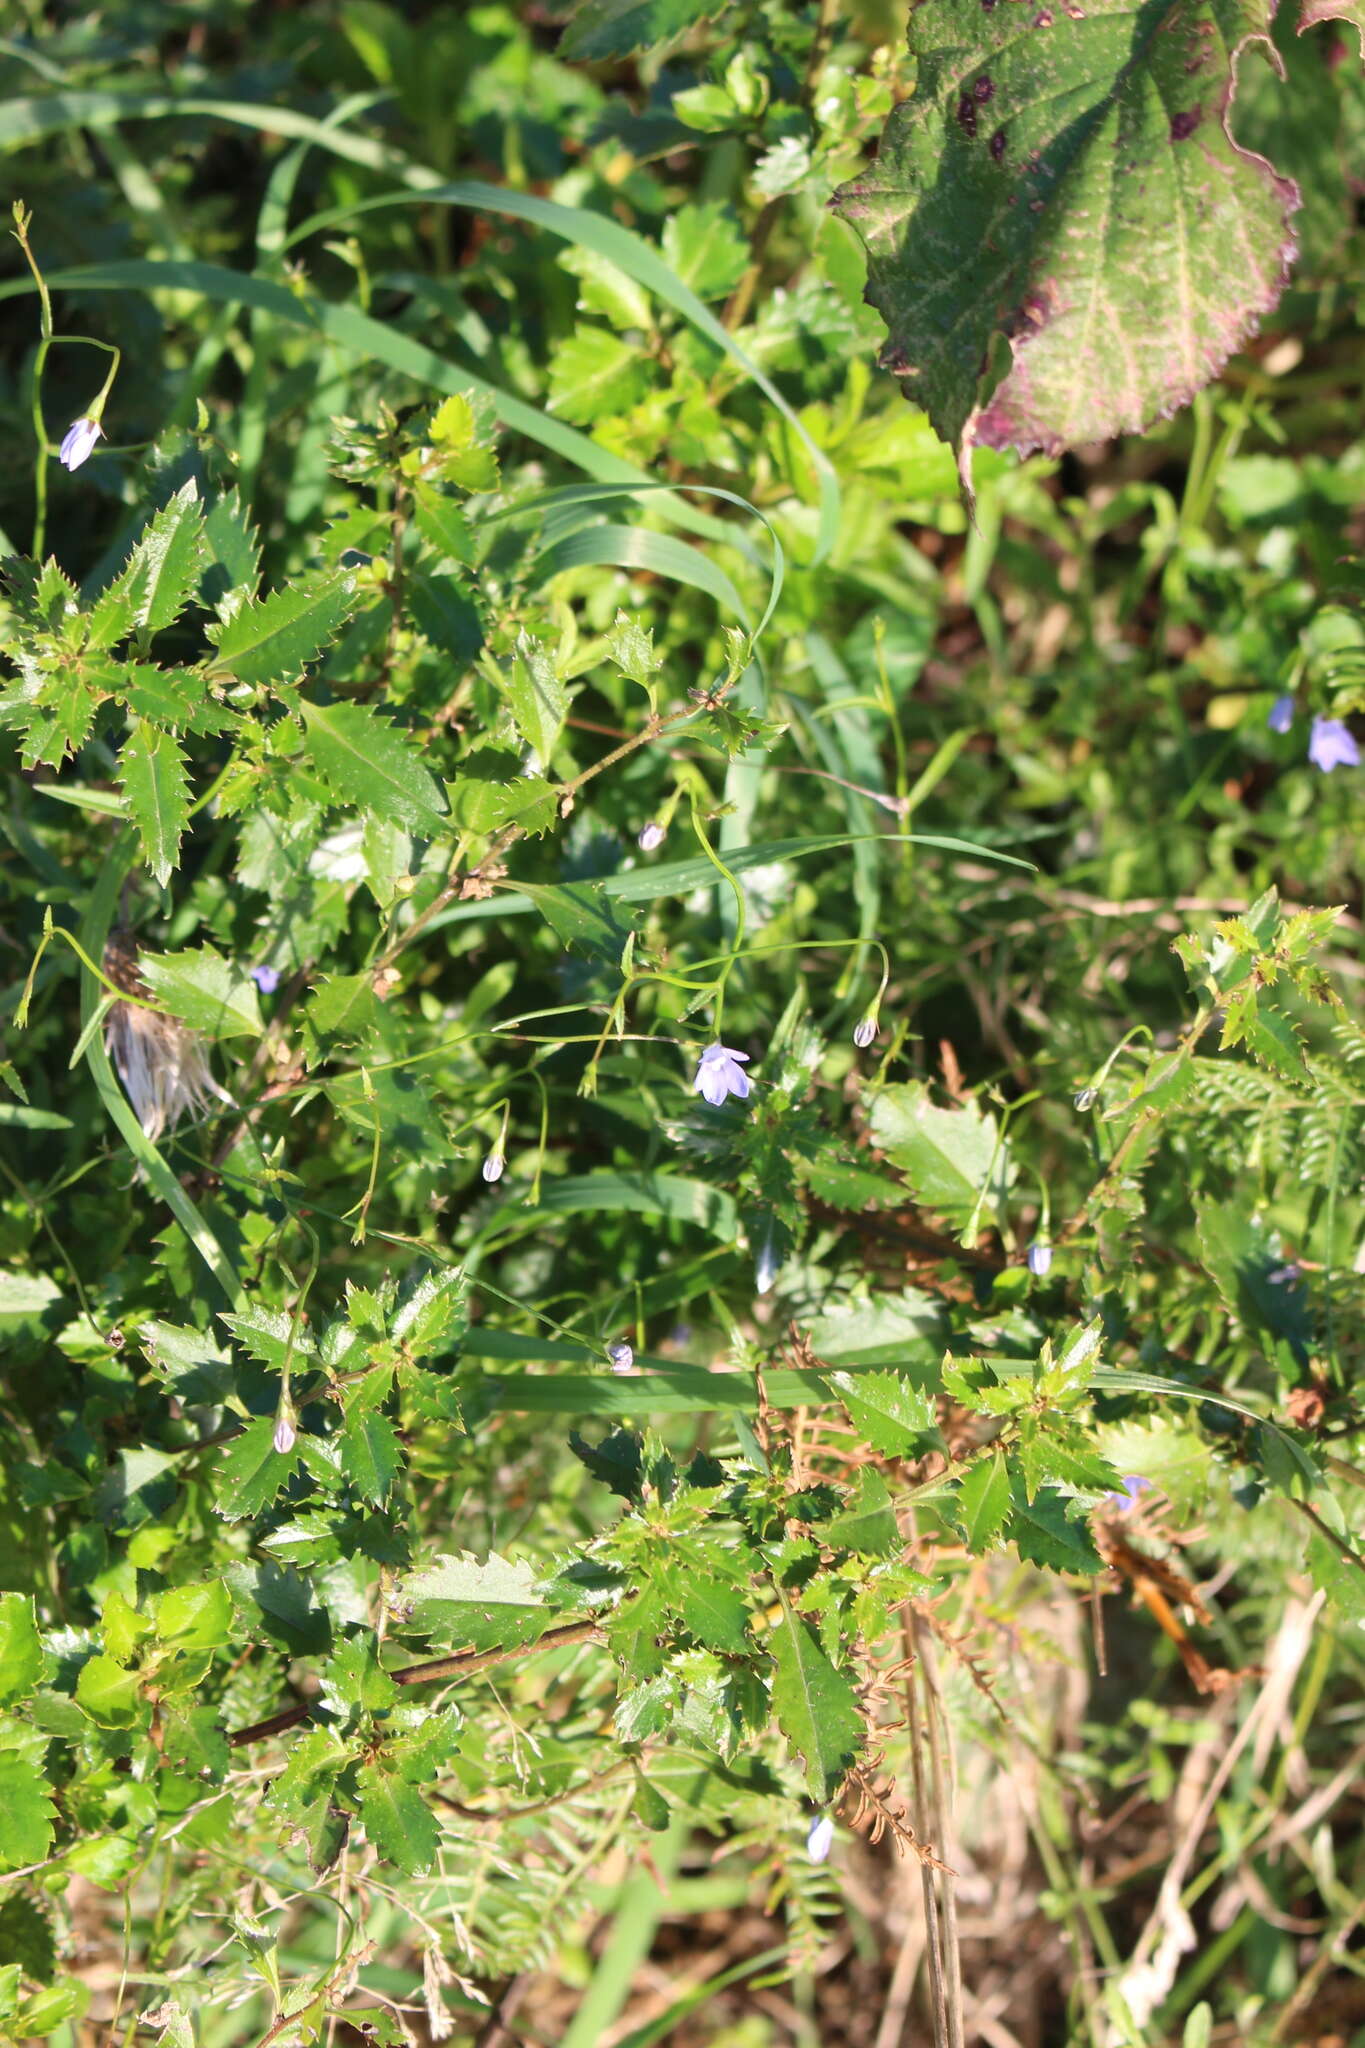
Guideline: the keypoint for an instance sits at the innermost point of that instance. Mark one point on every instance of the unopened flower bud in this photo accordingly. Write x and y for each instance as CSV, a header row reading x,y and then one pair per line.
x,y
492,1167
1085,1098
621,1357
285,1435
864,1032
1039,1257
651,836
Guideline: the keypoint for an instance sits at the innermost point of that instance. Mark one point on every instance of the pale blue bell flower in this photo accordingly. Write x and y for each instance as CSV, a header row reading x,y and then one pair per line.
x,y
78,443
1039,1257
1281,714
267,979
621,1357
720,1073
1331,744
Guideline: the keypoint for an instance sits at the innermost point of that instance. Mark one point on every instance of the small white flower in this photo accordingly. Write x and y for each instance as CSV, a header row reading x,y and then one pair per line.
x,y
651,836
78,443
284,1436
621,1357
1039,1257
492,1167
864,1033
820,1837
720,1072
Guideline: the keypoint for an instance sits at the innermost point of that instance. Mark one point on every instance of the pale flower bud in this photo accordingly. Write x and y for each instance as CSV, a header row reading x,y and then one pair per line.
x,y
651,837
492,1167
864,1033
621,1357
1039,1257
820,1838
285,1435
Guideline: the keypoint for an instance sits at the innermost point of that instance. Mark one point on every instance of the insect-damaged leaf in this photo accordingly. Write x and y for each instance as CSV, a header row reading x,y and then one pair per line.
x,y
1064,180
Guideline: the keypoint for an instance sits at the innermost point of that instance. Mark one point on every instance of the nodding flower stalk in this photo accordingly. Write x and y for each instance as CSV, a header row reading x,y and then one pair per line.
x,y
79,441
865,1030
493,1165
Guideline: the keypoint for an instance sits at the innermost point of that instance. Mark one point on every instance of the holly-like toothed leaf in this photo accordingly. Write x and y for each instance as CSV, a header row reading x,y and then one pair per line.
x,y
617,28
61,722
397,1819
716,1614
157,790
273,641
890,1413
1063,237
536,697
369,762
867,1525
249,1472
369,1443
465,1604
983,1501
234,548
151,589
205,991
815,1705
26,1813
1043,1532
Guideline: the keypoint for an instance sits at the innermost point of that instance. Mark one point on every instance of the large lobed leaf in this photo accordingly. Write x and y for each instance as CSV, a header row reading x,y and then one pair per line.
x,y
1063,237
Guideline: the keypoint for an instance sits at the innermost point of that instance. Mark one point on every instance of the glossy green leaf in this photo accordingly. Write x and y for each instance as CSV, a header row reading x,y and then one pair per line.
x,y
273,640
26,1813
370,762
212,995
815,1705
156,787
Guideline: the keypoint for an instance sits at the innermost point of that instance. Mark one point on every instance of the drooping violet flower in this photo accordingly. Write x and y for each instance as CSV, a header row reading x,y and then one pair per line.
x,y
284,1436
720,1072
1284,1276
820,1838
492,1167
267,979
621,1357
864,1032
1281,714
1039,1257
1134,1486
651,836
78,442
1332,745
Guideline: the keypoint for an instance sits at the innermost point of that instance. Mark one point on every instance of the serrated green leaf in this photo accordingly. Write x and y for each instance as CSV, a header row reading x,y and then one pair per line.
x,y
868,1525
537,698
26,1813
195,1617
280,1603
1043,1532
948,1156
890,1413
274,640
156,788
164,567
465,1604
616,28
983,1501
816,1706
249,1472
580,915
706,247
21,1653
370,1456
365,760
191,1365
210,994
595,375
397,1819
716,1614
108,1692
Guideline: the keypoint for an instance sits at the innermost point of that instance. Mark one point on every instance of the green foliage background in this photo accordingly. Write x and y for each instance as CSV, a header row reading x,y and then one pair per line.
x,y
496,466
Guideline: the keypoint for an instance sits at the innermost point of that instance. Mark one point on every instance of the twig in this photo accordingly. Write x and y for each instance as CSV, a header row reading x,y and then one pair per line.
x,y
463,1664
